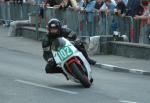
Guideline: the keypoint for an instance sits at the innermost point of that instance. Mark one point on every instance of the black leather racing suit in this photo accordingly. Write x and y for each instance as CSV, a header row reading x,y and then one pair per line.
x,y
46,44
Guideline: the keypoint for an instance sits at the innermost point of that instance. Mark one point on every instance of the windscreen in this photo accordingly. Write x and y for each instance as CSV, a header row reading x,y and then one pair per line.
x,y
58,43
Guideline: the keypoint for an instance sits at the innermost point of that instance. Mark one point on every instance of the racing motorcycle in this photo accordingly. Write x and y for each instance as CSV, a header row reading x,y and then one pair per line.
x,y
72,62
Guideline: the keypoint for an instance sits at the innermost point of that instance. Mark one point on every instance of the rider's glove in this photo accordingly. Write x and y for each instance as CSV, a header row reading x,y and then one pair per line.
x,y
72,35
51,61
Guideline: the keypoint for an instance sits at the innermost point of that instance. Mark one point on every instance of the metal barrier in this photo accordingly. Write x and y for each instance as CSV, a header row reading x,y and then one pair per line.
x,y
4,9
73,20
55,13
124,25
85,24
13,11
142,31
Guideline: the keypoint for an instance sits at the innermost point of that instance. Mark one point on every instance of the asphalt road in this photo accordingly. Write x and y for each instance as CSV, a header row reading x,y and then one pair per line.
x,y
23,80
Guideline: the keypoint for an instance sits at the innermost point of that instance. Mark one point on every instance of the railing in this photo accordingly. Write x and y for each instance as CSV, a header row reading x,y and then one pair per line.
x,y
85,24
93,23
142,30
13,11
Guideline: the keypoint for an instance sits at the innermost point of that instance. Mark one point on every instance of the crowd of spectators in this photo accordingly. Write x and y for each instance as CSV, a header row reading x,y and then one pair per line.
x,y
135,8
118,7
138,9
145,12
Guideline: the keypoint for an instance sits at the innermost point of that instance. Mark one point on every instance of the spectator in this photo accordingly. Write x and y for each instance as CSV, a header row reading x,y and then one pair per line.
x,y
134,8
50,3
108,7
111,6
41,11
80,3
146,12
146,9
43,4
125,2
145,23
68,3
89,7
104,7
120,8
99,4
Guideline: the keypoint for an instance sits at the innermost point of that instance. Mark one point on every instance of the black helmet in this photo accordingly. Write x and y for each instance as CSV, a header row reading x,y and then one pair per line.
x,y
54,23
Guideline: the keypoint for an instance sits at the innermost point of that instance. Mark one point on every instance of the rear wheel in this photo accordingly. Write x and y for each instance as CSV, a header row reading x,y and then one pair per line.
x,y
81,76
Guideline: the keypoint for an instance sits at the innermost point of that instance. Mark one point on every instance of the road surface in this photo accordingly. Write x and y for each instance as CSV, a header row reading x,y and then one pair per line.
x,y
23,80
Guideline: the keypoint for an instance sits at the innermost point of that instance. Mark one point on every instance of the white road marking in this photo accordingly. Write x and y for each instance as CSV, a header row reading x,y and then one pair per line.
x,y
43,86
136,71
127,101
108,65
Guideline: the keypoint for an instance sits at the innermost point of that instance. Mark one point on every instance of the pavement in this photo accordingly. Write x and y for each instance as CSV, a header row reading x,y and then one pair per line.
x,y
108,62
123,64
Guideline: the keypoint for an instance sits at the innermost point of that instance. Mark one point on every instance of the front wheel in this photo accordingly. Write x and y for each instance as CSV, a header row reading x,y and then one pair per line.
x,y
81,76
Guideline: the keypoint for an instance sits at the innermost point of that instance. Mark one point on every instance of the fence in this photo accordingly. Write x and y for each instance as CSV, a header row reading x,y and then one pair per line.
x,y
93,23
142,31
85,24
13,11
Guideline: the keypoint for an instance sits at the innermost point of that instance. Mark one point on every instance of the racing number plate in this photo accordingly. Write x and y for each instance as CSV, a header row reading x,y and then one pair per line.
x,y
64,53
